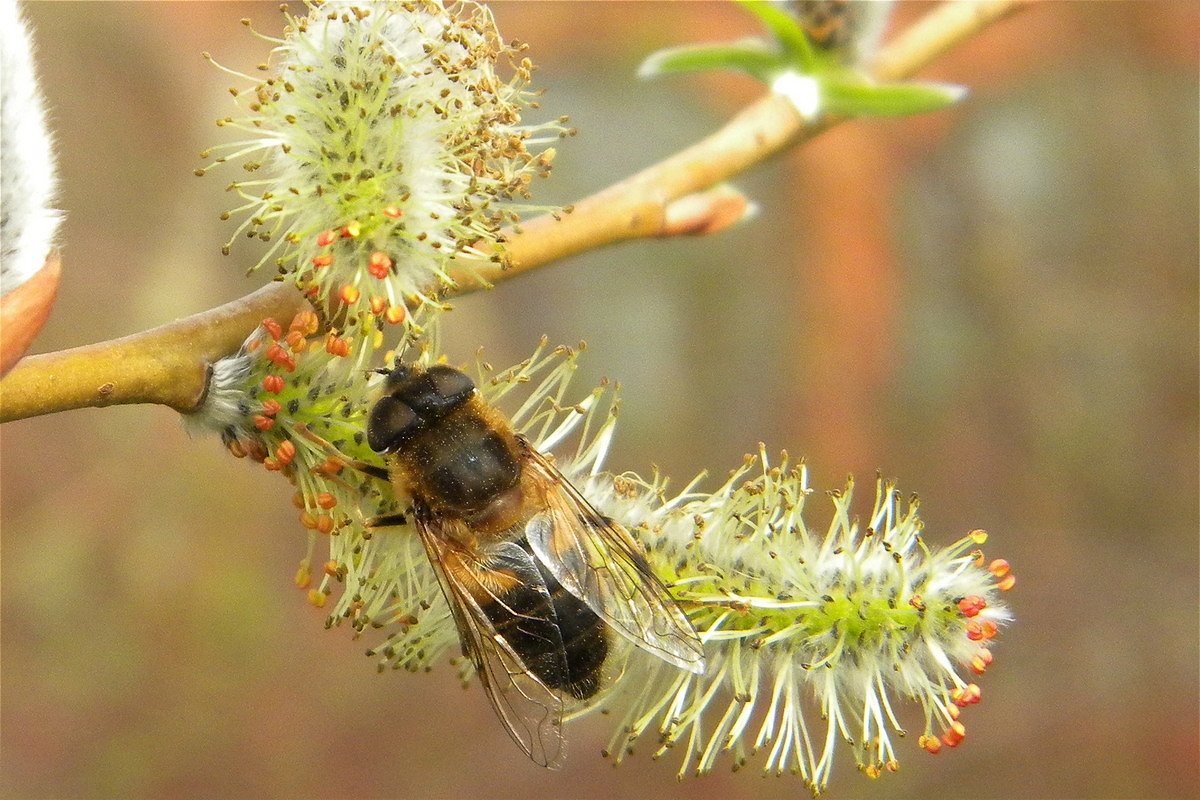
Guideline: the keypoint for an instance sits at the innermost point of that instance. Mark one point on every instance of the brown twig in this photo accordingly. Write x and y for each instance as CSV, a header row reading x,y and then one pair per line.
x,y
639,206
169,365
166,365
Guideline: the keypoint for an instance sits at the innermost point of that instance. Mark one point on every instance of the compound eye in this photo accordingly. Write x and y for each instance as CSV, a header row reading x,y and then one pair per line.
x,y
442,389
390,422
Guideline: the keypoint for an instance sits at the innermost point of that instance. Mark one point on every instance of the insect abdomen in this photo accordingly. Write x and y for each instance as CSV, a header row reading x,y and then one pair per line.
x,y
536,623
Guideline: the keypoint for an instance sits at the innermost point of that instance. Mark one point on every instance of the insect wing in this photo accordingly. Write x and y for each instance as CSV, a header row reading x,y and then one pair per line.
x,y
530,711
595,559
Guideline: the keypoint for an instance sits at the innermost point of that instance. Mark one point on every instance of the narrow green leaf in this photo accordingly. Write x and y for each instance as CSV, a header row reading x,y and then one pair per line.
x,y
857,98
751,56
787,31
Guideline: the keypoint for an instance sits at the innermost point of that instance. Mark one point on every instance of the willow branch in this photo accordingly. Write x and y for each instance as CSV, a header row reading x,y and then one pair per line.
x,y
169,365
641,205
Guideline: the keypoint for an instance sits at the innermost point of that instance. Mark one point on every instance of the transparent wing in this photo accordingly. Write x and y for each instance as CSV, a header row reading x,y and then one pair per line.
x,y
530,711
596,559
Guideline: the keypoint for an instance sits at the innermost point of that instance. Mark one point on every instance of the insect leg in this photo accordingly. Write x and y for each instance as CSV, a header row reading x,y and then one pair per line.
x,y
365,467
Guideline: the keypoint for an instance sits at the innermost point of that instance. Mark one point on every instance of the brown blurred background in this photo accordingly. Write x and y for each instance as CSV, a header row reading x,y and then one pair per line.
x,y
995,304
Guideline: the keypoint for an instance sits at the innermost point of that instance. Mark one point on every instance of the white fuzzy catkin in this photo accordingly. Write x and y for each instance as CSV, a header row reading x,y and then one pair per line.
x,y
28,223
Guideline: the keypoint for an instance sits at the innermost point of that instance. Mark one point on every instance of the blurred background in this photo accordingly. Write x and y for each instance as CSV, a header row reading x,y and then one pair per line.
x,y
996,304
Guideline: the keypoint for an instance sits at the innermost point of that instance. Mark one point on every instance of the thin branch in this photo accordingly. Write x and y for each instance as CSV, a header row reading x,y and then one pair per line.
x,y
639,206
169,365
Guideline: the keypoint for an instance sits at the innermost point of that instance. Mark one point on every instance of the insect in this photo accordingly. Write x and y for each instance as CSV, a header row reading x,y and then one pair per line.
x,y
534,576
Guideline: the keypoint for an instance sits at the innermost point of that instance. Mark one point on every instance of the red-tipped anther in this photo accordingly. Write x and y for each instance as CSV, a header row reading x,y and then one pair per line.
x,y
393,212
330,466
272,328
296,341
971,605
379,264
285,453
931,744
981,660
351,230
263,423
349,294
271,407
323,260
337,346
395,314
968,695
378,304
273,384
954,734
305,322
326,238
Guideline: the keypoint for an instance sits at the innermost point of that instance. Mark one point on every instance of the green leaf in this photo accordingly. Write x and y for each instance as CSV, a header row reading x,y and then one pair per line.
x,y
858,98
787,31
751,56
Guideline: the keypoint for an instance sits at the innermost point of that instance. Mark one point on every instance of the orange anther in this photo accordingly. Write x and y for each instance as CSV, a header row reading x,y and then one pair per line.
x,y
351,230
378,304
393,212
273,384
337,346
285,453
349,294
272,327
323,260
981,660
999,567
308,520
967,695
326,238
306,322
931,744
955,734
271,407
263,423
271,464
296,341
331,568
971,605
395,314
379,264
324,524
317,597
326,501
1007,582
